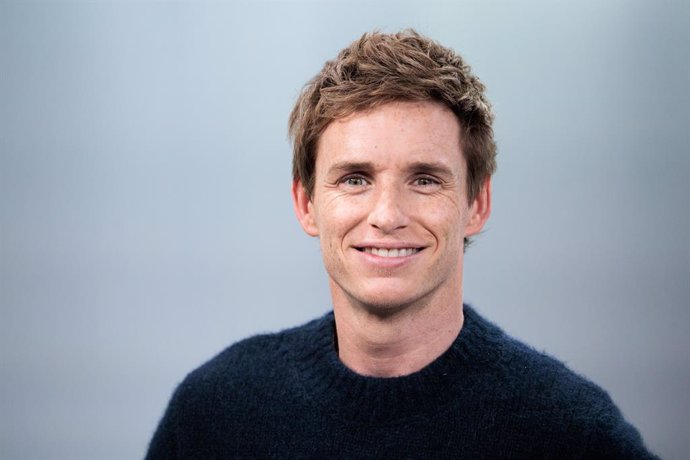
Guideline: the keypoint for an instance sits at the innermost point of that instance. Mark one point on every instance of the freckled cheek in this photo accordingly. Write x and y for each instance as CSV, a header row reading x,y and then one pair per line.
x,y
342,215
445,227
336,225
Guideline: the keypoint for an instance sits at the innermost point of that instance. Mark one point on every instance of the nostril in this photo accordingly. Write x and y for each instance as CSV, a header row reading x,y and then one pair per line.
x,y
387,215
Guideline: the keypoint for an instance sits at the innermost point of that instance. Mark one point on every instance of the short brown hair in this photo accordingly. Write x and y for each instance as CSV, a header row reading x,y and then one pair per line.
x,y
380,68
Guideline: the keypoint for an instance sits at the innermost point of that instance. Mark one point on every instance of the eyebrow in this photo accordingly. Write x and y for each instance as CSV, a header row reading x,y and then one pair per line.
x,y
350,166
433,167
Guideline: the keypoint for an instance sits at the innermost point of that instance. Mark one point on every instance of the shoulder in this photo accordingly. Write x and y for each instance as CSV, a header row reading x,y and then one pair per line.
x,y
251,362
553,399
248,378
531,373
547,376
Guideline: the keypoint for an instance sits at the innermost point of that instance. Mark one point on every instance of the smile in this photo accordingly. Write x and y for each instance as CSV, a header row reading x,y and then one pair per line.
x,y
397,252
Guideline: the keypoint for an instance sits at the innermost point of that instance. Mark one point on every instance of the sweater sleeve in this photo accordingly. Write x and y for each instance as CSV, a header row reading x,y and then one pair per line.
x,y
164,442
612,437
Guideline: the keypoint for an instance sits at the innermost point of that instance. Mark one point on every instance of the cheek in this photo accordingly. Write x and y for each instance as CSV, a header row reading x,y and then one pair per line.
x,y
444,219
338,216
334,229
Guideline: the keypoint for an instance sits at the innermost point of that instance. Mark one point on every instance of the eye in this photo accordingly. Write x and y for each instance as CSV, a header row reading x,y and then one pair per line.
x,y
354,181
426,181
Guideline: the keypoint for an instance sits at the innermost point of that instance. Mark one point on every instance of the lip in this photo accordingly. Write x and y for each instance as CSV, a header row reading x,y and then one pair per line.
x,y
377,261
389,245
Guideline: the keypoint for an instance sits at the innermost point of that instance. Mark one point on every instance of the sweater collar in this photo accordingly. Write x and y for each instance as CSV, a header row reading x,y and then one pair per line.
x,y
330,386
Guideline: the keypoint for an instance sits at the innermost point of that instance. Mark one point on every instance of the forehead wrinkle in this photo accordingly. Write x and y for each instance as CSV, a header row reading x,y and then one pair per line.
x,y
359,137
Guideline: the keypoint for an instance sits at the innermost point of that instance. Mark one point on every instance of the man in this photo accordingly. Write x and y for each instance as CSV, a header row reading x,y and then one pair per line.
x,y
393,157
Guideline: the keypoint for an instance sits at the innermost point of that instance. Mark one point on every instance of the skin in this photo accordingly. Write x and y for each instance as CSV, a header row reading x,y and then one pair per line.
x,y
393,177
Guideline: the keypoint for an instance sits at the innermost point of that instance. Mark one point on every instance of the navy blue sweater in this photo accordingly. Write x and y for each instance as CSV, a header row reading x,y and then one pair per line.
x,y
287,395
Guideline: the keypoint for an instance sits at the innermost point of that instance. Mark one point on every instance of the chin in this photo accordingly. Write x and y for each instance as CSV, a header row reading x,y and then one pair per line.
x,y
381,296
385,302
384,310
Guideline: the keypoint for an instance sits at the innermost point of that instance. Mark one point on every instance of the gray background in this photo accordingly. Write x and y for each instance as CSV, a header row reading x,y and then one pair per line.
x,y
145,218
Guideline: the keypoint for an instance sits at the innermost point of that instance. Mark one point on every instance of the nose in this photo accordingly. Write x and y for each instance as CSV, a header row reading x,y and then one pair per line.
x,y
388,213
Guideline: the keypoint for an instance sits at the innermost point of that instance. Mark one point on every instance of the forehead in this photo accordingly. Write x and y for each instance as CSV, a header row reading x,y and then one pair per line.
x,y
393,133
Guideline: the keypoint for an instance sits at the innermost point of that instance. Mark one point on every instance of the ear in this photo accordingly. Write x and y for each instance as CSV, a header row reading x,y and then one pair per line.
x,y
304,208
480,209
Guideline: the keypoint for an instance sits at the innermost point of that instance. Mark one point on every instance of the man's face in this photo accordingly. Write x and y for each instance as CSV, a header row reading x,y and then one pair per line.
x,y
390,207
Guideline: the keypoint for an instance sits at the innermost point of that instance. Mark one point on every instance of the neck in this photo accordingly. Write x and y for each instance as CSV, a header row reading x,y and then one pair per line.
x,y
395,343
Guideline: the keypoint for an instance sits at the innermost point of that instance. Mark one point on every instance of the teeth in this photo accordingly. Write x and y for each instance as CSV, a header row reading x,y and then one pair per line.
x,y
382,252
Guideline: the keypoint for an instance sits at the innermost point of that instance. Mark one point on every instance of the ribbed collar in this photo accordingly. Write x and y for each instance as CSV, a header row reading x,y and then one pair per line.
x,y
332,387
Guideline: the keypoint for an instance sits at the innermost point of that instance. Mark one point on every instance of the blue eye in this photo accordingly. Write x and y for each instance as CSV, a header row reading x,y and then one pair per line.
x,y
355,181
426,181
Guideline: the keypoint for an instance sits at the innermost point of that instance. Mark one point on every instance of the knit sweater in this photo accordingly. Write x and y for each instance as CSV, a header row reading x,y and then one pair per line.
x,y
288,395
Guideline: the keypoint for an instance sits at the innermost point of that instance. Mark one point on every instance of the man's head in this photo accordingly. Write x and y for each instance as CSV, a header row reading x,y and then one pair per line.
x,y
393,154
381,68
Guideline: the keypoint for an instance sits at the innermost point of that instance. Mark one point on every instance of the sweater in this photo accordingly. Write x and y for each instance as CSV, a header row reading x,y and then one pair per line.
x,y
287,395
